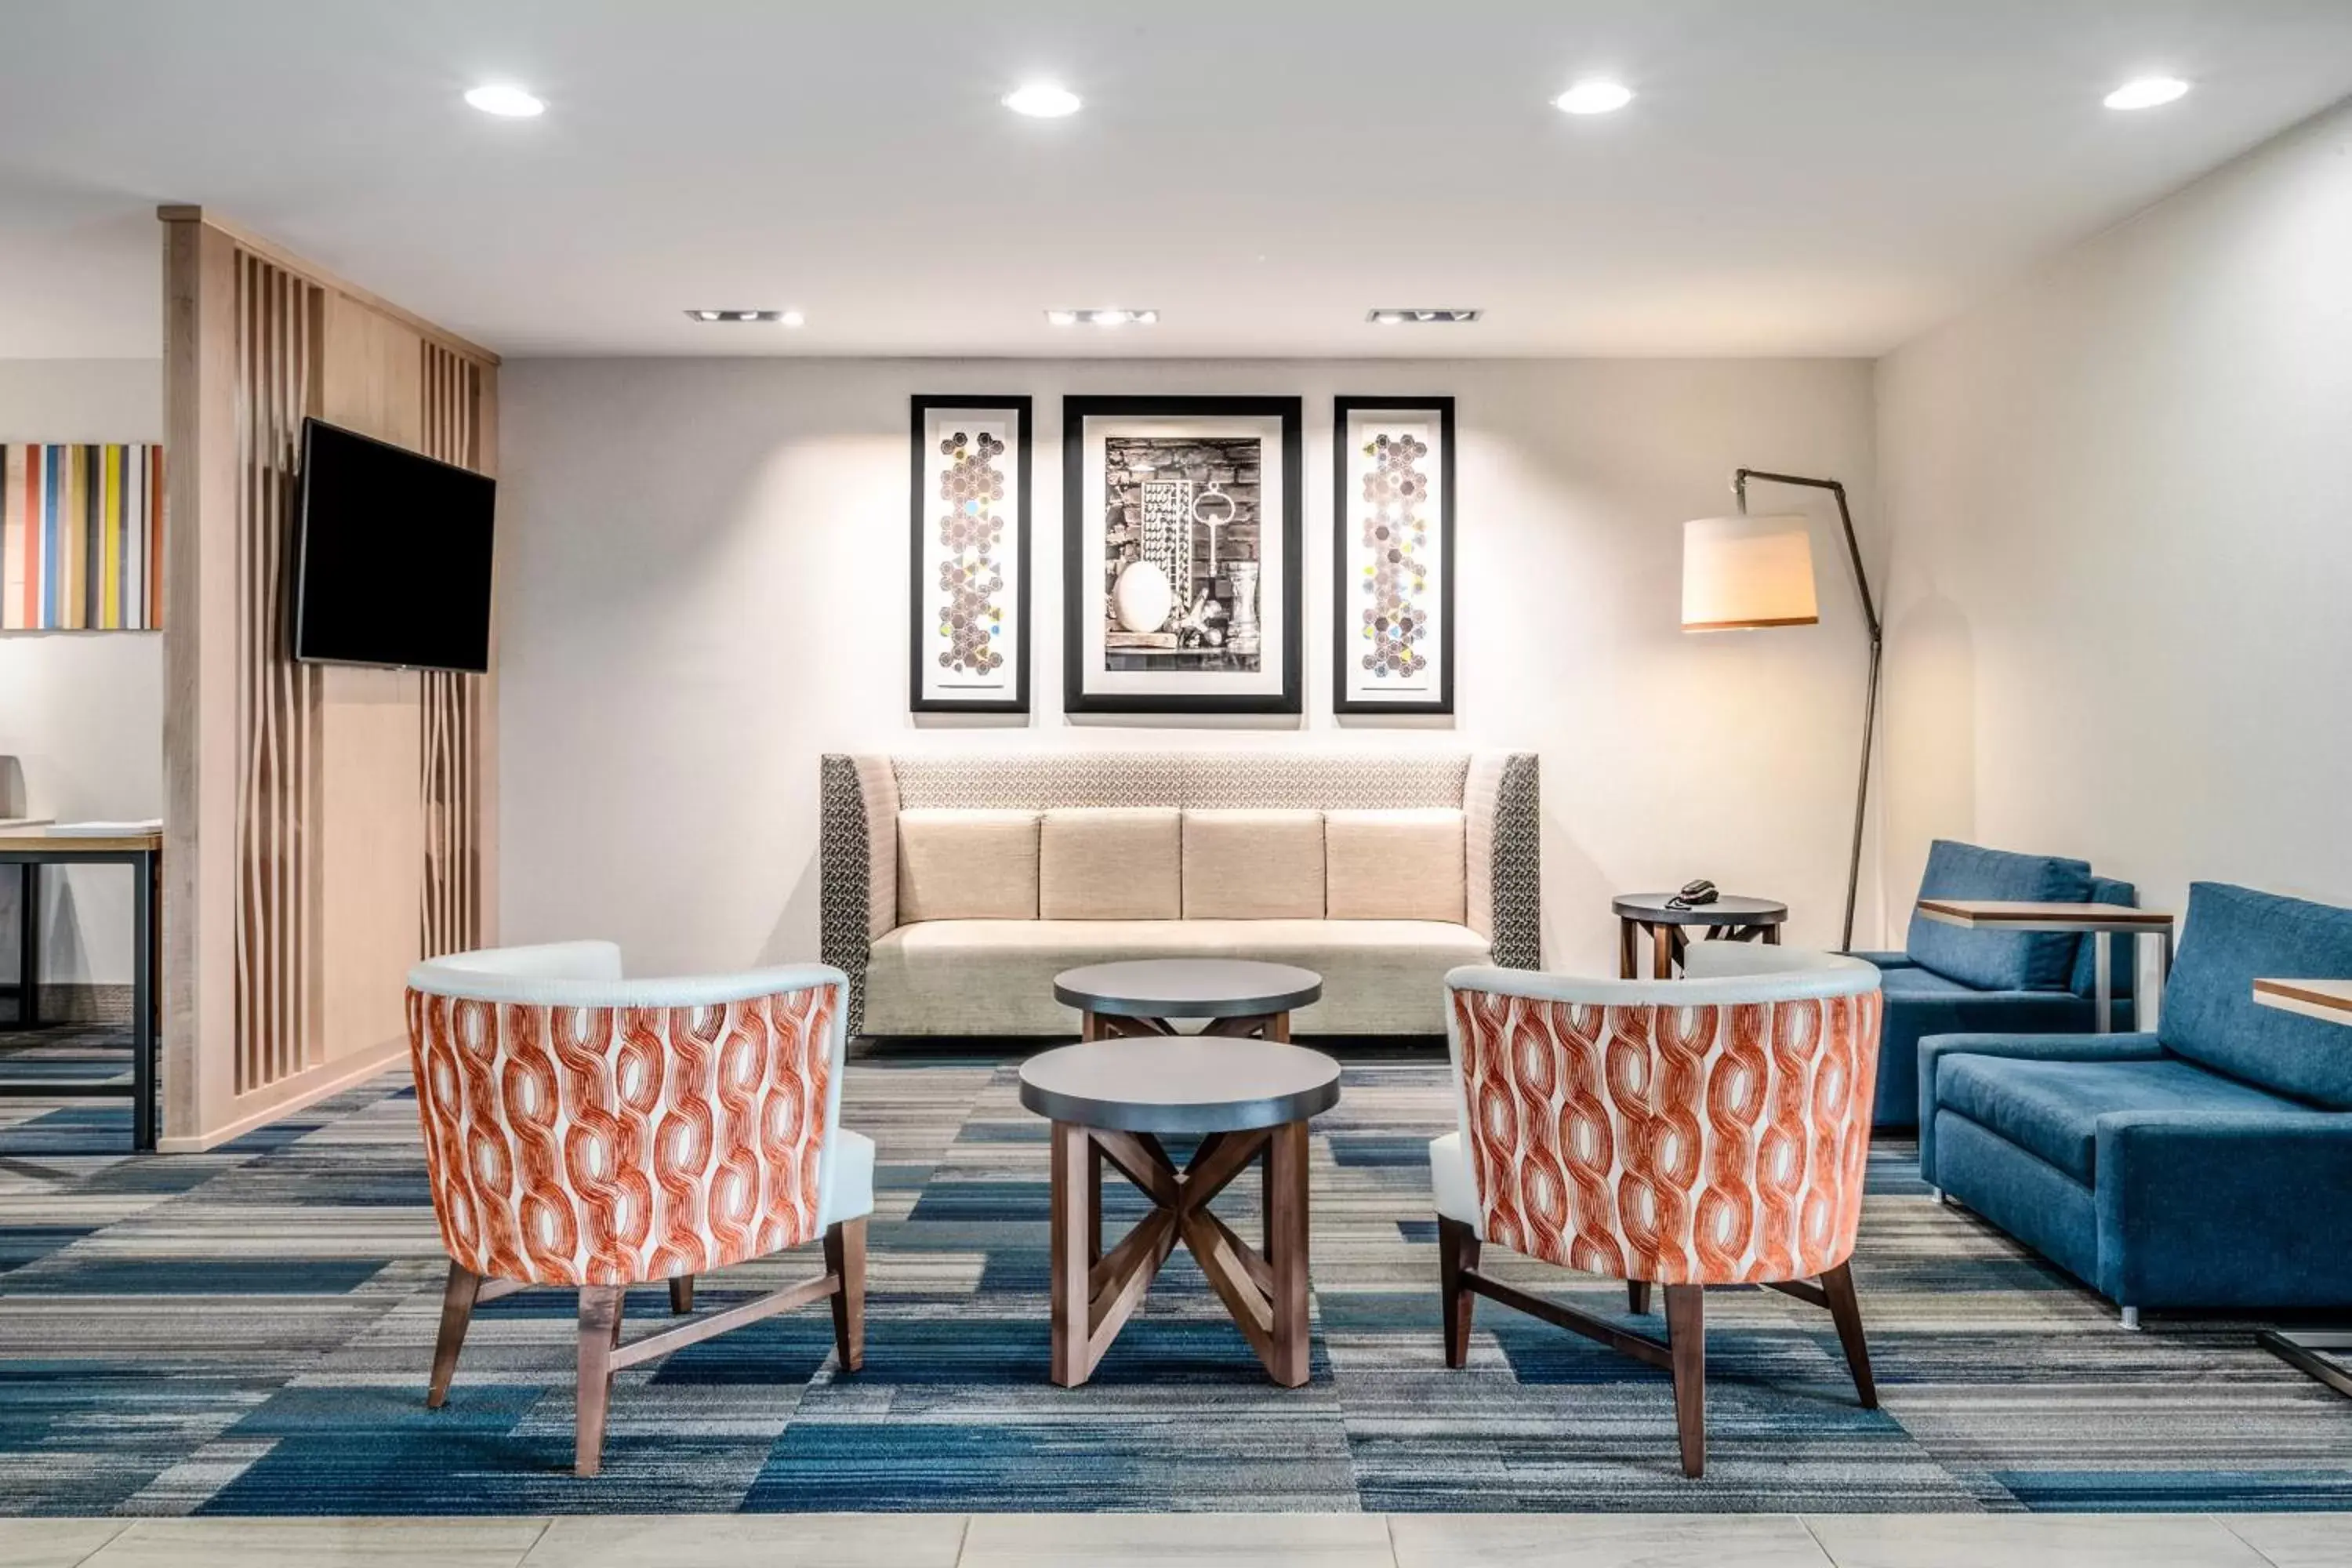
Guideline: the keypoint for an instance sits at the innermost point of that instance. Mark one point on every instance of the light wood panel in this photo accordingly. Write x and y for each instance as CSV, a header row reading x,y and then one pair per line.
x,y
325,826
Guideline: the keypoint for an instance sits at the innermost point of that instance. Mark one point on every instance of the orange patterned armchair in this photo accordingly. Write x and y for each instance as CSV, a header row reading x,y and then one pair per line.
x,y
1707,1130
594,1132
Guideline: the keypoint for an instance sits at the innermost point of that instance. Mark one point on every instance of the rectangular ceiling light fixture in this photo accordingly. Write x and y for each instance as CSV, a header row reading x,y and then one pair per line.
x,y
774,317
1110,316
1394,318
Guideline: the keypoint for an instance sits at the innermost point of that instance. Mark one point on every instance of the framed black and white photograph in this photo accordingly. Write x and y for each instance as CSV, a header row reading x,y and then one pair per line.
x,y
1392,555
1183,526
968,557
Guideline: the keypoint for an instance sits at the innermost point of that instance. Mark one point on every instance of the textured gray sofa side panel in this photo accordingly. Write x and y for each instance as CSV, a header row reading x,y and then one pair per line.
x,y
844,879
1518,862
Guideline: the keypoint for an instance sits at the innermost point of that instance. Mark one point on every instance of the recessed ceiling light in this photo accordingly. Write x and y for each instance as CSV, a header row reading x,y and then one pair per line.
x,y
1043,100
1108,316
2146,92
505,100
781,318
1594,98
1396,318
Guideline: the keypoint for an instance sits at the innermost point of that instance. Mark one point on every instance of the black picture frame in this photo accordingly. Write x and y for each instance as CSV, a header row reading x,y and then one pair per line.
x,y
921,615
1080,598
1344,616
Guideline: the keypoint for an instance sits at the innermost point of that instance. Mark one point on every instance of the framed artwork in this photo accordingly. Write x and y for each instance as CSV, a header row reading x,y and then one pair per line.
x,y
1392,555
81,538
1183,518
969,557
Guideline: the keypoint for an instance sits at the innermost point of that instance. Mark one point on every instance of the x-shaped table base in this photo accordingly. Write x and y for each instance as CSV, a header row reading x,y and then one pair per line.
x,y
1095,1291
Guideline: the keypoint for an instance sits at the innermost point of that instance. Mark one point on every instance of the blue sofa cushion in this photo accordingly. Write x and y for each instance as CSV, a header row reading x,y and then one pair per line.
x,y
1921,1003
2051,1110
2124,976
2232,937
1997,959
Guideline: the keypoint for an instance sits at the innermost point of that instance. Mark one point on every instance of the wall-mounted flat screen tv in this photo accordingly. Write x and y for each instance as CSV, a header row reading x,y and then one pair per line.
x,y
392,555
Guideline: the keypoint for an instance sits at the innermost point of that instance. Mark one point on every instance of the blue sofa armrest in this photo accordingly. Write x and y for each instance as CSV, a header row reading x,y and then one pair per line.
x,y
2225,1208
2036,1047
1887,960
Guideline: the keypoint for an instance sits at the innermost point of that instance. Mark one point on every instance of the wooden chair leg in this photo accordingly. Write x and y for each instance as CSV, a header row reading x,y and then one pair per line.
x,y
1687,1343
1637,1296
681,1294
456,1310
600,1327
1845,1309
845,1255
1458,1254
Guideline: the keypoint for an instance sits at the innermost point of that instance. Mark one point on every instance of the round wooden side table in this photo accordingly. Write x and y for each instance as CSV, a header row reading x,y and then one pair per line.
x,y
1245,1101
1667,930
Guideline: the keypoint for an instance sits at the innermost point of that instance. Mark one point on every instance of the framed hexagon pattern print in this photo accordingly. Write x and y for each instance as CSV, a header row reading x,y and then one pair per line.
x,y
1393,552
968,557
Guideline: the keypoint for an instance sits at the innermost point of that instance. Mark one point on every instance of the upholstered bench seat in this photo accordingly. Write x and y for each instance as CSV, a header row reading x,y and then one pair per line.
x,y
956,888
996,977
2051,1110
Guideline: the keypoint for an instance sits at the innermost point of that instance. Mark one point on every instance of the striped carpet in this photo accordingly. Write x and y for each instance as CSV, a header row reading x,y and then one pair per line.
x,y
248,1331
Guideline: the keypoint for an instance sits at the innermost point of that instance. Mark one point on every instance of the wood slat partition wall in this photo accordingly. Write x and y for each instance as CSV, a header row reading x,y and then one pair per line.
x,y
278,320
325,826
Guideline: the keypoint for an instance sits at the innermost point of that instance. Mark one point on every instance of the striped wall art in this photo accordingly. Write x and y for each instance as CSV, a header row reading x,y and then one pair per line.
x,y
81,537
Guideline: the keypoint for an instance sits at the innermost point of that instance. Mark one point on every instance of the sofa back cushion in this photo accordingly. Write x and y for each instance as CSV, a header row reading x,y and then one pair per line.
x,y
1253,865
1393,865
967,865
2123,975
1997,959
1111,863
2235,936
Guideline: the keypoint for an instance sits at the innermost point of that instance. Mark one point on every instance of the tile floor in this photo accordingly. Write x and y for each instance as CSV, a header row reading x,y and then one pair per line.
x,y
1231,1540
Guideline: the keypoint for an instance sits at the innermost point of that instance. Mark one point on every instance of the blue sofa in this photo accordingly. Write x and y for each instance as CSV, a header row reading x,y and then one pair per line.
x,y
2206,1164
1949,981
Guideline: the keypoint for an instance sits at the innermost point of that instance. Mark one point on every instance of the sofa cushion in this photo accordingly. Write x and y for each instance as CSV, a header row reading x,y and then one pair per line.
x,y
1111,864
1997,959
2232,937
2051,1110
957,865
1253,865
1920,1003
1393,865
965,977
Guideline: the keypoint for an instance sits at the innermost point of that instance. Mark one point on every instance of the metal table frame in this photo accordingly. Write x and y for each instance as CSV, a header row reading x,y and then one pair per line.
x,y
2147,1008
145,864
2318,1353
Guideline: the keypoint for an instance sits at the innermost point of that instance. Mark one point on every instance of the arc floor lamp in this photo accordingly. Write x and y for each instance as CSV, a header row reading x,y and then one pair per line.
x,y
1744,572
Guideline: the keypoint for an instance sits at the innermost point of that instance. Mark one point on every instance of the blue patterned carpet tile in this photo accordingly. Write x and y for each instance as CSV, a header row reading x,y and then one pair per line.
x,y
248,1331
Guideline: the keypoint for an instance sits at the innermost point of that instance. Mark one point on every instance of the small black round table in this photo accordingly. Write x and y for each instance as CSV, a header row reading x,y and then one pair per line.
x,y
1247,1101
1239,996
1728,919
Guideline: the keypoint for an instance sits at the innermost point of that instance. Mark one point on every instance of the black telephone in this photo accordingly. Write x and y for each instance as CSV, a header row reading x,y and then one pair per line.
x,y
1694,895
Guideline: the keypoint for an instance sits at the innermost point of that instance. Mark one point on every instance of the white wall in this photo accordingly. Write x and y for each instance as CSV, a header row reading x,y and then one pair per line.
x,y
703,586
81,713
2121,498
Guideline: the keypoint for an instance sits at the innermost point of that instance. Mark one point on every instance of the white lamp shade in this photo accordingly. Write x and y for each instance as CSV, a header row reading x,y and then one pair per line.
x,y
1743,571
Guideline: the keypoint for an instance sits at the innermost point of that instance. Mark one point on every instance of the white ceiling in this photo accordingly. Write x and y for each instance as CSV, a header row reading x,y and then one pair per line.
x,y
1796,176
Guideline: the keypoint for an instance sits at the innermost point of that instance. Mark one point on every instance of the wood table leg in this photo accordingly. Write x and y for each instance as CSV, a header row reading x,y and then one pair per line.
x,y
681,1294
1072,1269
1661,952
1629,948
1287,1209
845,1260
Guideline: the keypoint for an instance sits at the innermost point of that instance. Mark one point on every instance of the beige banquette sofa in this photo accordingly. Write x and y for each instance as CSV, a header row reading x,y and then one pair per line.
x,y
955,886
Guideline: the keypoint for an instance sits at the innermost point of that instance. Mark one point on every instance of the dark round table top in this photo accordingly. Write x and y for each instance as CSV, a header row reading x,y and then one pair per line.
x,y
1181,1084
1187,989
1728,910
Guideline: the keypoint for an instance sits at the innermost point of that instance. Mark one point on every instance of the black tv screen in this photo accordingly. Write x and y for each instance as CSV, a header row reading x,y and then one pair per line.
x,y
392,555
